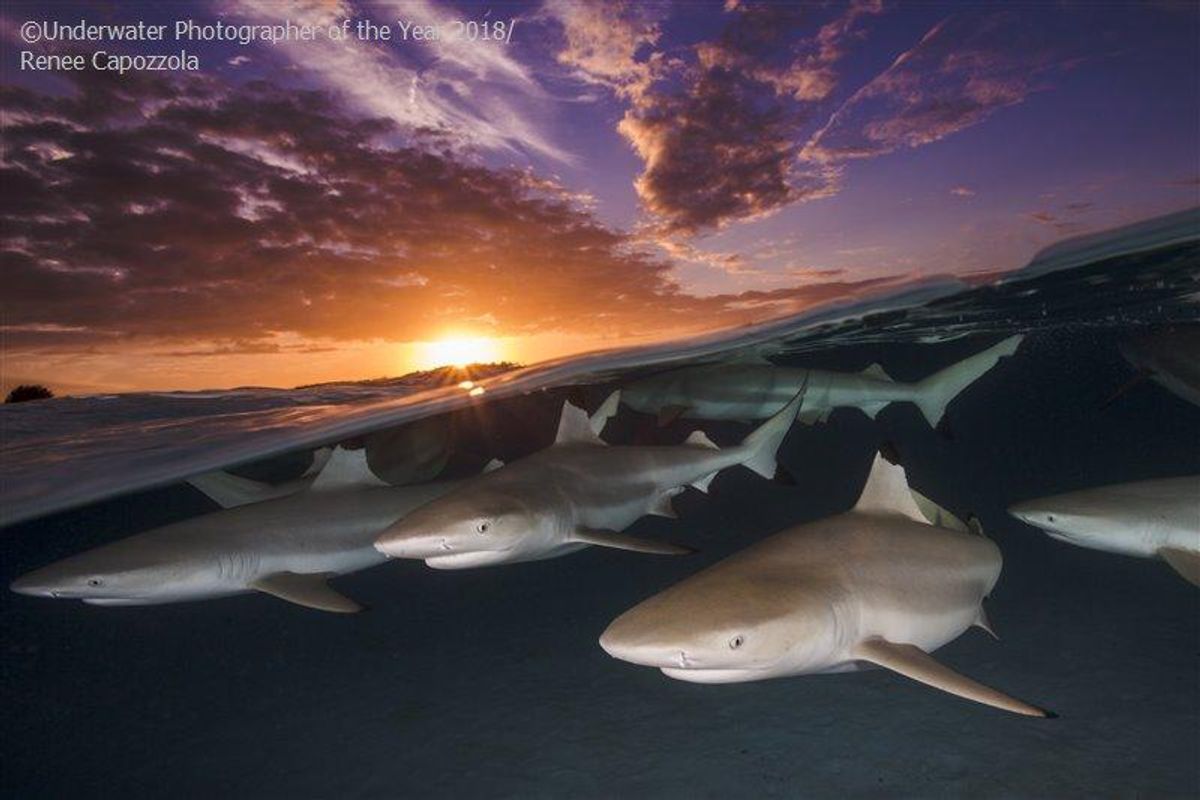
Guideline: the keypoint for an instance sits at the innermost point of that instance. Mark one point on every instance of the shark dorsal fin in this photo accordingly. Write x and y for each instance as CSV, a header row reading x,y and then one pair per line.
x,y
606,411
700,439
574,427
887,492
346,469
876,371
493,465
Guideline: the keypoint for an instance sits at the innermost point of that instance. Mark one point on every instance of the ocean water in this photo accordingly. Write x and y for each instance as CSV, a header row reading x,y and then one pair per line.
x,y
489,682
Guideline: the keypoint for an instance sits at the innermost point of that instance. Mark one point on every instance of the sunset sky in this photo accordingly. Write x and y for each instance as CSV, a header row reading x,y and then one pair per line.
x,y
617,173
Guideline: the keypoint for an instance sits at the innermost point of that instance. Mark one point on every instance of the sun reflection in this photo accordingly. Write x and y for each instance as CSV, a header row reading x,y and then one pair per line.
x,y
459,351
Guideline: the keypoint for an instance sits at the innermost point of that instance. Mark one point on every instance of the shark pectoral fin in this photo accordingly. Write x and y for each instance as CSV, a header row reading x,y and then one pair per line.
x,y
493,465
702,483
1184,562
310,591
913,662
668,414
230,491
621,541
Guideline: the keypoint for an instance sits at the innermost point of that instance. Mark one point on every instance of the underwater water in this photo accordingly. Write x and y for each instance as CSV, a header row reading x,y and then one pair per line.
x,y
490,683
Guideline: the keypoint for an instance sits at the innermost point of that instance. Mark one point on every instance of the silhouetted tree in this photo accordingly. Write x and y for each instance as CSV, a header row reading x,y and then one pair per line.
x,y
28,391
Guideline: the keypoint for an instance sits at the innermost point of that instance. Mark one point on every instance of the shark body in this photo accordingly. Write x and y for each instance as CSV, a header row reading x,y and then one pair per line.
x,y
754,391
881,585
1148,519
284,546
576,493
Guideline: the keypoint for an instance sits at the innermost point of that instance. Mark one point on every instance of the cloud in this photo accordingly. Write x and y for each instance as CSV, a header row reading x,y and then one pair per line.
x,y
717,127
472,92
961,72
1065,220
962,191
607,43
256,219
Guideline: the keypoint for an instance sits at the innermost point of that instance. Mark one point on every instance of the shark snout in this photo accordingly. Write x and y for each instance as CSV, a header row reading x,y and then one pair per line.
x,y
1033,513
418,546
34,585
622,641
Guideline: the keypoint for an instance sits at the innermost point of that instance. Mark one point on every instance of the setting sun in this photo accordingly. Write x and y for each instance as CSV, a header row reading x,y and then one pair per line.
x,y
459,351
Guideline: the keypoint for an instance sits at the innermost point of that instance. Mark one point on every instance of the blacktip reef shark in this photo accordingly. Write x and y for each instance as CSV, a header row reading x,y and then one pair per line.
x,y
748,391
575,493
1149,519
883,585
1170,357
285,546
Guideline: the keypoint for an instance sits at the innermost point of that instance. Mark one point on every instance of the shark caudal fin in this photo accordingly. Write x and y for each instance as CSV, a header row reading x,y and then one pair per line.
x,y
761,445
935,392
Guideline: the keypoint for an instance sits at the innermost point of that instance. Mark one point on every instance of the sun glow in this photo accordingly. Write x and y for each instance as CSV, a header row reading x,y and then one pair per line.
x,y
459,351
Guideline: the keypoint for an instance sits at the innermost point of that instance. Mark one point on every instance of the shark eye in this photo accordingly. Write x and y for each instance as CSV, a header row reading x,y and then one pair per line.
x,y
94,582
483,527
1049,518
736,642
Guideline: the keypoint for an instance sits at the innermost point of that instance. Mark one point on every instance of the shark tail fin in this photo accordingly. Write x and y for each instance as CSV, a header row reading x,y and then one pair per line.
x,y
762,444
935,392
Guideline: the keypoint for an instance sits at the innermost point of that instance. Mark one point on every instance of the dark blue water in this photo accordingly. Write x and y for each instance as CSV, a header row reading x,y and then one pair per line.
x,y
489,683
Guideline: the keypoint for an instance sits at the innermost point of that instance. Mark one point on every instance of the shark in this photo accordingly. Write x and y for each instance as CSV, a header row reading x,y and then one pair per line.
x,y
755,389
286,546
575,493
1168,356
1148,519
882,585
